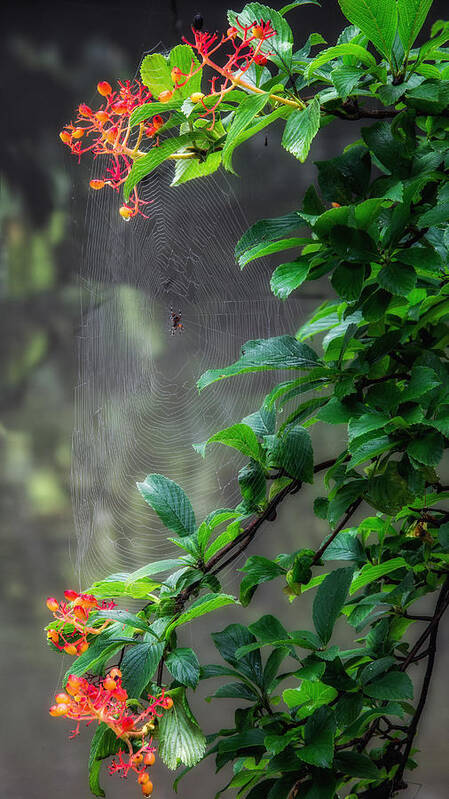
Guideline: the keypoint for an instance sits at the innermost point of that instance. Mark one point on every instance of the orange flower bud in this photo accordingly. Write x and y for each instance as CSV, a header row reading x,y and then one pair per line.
x,y
84,110
147,788
257,32
62,698
53,635
143,778
137,759
231,33
102,116
109,684
176,75
97,184
196,97
52,604
73,684
70,649
104,88
115,673
78,133
149,759
168,702
111,134
335,205
125,212
82,647
65,137
164,97
120,108
59,710
70,595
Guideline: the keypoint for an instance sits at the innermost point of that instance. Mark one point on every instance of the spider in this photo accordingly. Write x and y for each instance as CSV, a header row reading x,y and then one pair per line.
x,y
175,321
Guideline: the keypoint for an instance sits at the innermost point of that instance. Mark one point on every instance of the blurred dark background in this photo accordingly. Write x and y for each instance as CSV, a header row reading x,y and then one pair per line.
x,y
51,57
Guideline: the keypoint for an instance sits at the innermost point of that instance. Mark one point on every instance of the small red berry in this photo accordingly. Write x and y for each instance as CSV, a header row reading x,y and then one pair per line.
x,y
257,32
70,595
149,759
147,788
84,110
70,649
143,778
96,184
168,702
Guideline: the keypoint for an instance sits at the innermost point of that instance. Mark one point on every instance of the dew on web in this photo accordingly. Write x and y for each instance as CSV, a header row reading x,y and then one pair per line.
x,y
137,408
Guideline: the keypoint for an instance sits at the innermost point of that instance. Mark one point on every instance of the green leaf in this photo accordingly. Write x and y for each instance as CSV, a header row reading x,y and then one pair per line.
x,y
98,653
145,164
183,665
103,744
266,230
239,436
244,114
346,546
170,503
329,601
156,567
377,20
340,50
370,573
311,695
412,15
354,764
370,449
263,421
262,249
206,604
183,57
393,685
345,78
292,451
138,666
347,280
277,47
319,735
288,277
189,169
232,639
427,449
155,73
280,352
397,278
387,149
300,130
180,737
257,570
147,110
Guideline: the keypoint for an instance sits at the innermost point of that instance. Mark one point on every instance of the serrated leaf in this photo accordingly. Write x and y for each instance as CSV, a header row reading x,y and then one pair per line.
x,y
319,734
377,20
427,449
356,765
155,74
397,278
186,170
301,128
239,436
262,249
266,230
288,277
180,737
243,116
280,352
138,666
311,695
205,604
170,503
183,57
412,15
369,573
393,685
340,50
329,601
292,451
183,665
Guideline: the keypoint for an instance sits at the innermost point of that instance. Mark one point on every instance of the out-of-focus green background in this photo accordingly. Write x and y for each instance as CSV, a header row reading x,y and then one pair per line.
x,y
52,55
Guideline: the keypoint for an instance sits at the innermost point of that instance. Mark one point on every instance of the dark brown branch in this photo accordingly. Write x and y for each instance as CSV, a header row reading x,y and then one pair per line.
x,y
441,607
337,530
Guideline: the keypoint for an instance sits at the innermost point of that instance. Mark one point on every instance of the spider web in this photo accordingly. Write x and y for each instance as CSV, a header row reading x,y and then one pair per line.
x,y
137,408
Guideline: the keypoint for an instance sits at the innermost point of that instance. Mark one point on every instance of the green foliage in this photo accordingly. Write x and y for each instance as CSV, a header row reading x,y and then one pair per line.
x,y
374,226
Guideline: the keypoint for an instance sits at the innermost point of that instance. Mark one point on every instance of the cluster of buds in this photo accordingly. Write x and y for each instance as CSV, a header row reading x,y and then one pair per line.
x,y
107,132
106,702
74,623
247,49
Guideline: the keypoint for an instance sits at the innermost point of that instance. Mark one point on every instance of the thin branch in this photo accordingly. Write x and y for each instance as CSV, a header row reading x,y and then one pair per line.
x,y
337,530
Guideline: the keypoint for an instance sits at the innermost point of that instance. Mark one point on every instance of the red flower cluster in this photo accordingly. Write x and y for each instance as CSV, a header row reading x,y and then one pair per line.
x,y
246,40
107,131
71,636
107,703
